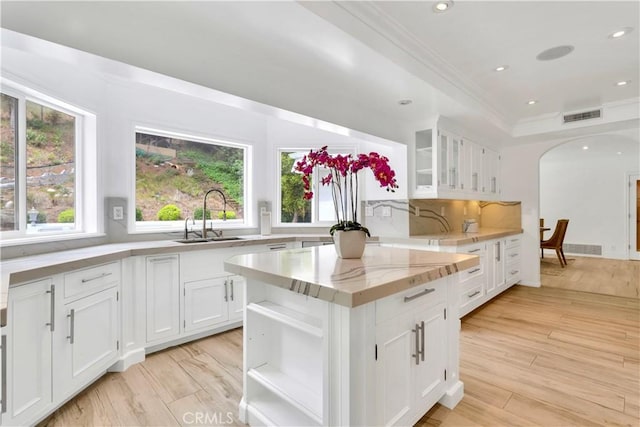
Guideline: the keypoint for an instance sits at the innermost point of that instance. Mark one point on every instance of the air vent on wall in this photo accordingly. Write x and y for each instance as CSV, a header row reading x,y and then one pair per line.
x,y
585,115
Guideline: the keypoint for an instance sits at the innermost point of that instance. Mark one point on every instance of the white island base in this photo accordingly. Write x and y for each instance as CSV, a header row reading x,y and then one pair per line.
x,y
309,361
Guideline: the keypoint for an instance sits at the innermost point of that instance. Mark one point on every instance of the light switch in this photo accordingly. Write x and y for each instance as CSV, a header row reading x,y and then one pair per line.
x,y
368,211
386,211
118,213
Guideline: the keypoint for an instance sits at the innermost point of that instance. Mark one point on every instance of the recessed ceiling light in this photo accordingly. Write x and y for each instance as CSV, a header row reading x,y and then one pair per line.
x,y
442,6
623,83
555,53
619,153
531,102
620,33
501,68
405,102
585,147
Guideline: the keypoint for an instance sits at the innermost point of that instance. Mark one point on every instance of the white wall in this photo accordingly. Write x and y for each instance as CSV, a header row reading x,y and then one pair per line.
x,y
521,181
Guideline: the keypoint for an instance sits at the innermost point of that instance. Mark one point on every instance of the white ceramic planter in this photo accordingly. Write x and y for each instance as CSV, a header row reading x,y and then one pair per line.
x,y
349,244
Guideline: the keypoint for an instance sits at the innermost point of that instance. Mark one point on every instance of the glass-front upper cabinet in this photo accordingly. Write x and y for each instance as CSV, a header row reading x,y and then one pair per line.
x,y
424,167
450,162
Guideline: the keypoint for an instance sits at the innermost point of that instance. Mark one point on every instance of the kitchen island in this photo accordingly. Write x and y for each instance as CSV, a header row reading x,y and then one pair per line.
x,y
330,341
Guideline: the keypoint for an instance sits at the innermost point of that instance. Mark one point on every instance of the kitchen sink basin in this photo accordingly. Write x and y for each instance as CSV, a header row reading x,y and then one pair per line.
x,y
209,239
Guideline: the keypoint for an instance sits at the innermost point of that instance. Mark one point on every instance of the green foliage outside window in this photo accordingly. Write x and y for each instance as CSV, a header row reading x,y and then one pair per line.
x,y
294,207
169,213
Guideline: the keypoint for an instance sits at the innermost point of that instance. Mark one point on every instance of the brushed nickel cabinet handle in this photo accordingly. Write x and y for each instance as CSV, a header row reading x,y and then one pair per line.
x,y
422,344
473,251
96,277
417,355
499,250
165,258
475,270
52,320
226,292
473,294
418,295
231,286
72,316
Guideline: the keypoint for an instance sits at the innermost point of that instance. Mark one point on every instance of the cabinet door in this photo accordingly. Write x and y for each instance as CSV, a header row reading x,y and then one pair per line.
x,y
444,162
396,350
163,297
474,173
497,278
205,303
28,352
236,297
90,341
423,158
429,373
491,167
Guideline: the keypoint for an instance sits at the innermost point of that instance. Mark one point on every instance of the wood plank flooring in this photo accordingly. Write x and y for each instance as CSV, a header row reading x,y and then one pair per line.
x,y
531,357
597,275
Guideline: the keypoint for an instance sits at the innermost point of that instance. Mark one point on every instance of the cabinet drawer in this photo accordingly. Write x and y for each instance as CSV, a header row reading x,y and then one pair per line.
x,y
512,254
423,296
513,272
474,273
91,280
513,241
468,298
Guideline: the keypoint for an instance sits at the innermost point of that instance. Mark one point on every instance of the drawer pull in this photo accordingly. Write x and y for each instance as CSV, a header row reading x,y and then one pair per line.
x,y
514,240
473,294
513,272
164,258
274,247
512,255
418,295
96,277
475,270
473,251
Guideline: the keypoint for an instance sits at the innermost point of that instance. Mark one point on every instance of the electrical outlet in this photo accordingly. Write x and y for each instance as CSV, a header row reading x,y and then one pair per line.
x,y
417,210
442,211
464,210
368,211
118,213
386,211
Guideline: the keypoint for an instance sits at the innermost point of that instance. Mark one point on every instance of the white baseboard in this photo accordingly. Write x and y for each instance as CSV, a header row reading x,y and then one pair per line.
x,y
128,359
453,396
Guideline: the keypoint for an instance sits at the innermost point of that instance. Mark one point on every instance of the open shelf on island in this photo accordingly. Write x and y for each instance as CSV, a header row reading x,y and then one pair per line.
x,y
271,411
290,390
289,317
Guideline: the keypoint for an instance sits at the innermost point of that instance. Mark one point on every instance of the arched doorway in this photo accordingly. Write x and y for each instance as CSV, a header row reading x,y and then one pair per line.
x,y
587,180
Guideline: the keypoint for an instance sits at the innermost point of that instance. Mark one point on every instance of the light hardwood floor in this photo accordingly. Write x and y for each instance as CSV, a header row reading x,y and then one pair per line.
x,y
531,357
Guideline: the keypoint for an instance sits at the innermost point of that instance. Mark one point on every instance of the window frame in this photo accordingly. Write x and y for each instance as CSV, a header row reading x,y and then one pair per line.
x,y
315,186
85,164
135,227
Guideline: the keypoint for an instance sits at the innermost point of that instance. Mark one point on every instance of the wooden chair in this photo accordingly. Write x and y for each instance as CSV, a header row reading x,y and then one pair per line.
x,y
556,240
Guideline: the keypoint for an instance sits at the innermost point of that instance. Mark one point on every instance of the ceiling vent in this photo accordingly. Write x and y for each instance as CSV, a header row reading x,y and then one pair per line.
x,y
585,115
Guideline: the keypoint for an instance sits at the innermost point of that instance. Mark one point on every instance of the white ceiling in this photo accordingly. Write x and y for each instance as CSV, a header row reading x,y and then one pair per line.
x,y
350,62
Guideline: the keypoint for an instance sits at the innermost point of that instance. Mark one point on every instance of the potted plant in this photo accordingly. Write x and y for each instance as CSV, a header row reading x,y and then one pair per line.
x,y
348,234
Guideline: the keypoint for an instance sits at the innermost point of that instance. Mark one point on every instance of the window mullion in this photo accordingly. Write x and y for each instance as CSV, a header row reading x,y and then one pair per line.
x,y
21,175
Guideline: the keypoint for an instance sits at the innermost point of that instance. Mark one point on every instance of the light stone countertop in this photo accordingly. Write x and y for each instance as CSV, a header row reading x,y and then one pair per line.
x,y
320,273
24,269
454,238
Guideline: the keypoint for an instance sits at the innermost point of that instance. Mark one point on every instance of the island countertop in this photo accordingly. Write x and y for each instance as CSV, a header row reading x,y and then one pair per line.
x,y
320,273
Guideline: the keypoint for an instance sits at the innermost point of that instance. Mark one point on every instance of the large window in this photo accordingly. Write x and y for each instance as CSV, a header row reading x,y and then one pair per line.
x,y
293,208
38,151
173,173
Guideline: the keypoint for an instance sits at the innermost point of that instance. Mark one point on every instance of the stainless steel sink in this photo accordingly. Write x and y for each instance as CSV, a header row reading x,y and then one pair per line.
x,y
209,239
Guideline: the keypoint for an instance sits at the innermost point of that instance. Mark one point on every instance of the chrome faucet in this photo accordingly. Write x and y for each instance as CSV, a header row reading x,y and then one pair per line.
x,y
204,210
186,230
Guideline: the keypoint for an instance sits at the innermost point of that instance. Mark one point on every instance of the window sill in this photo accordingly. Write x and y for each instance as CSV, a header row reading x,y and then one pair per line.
x,y
33,240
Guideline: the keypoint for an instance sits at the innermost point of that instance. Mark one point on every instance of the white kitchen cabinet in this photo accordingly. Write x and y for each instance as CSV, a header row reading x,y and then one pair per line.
x,y
236,286
411,363
90,342
496,279
27,392
443,164
491,174
513,247
205,303
473,169
162,283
